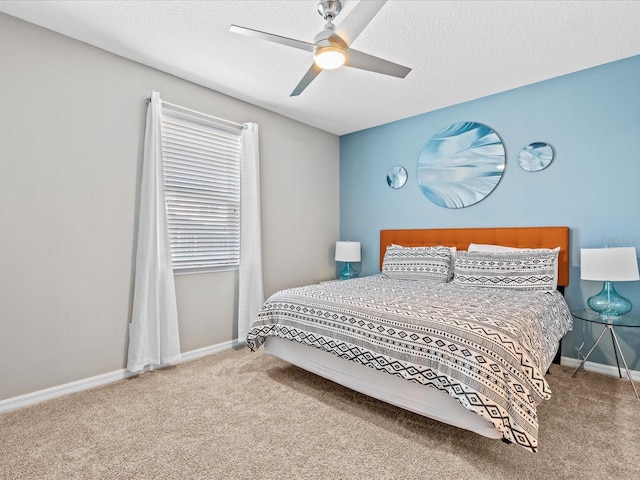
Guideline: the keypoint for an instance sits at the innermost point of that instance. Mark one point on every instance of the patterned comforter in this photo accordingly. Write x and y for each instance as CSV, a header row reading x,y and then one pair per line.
x,y
487,348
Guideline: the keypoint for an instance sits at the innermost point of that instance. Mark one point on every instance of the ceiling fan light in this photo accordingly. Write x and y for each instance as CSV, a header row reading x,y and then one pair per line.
x,y
330,57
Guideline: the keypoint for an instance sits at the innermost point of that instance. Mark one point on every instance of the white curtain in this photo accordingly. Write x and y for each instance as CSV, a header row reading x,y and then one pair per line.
x,y
153,332
250,293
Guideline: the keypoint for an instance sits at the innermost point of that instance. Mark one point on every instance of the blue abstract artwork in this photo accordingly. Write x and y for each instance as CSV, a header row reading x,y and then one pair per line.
x,y
461,165
397,177
535,157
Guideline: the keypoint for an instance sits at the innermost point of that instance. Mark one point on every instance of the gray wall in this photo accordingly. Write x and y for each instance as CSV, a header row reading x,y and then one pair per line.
x,y
71,133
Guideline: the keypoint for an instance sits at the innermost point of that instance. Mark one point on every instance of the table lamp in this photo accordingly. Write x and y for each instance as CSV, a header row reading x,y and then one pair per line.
x,y
609,265
347,252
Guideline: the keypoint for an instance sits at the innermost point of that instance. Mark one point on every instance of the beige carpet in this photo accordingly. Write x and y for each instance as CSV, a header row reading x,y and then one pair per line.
x,y
241,415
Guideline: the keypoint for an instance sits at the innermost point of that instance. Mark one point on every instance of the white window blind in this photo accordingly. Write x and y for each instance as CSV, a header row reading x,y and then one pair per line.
x,y
201,163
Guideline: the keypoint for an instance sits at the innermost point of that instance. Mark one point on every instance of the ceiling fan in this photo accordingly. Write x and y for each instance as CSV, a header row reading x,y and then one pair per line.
x,y
330,47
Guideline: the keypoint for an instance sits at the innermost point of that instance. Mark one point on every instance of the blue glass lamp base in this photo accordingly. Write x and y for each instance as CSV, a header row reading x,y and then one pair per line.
x,y
609,303
347,272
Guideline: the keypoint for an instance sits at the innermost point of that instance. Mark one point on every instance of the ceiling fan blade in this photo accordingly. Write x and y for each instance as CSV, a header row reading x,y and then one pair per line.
x,y
306,80
364,61
290,42
358,19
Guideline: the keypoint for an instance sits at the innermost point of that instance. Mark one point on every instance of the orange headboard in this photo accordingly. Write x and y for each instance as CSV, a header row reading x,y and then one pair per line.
x,y
519,237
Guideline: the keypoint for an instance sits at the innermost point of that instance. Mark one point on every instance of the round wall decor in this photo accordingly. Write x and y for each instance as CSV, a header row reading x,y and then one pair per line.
x,y
535,157
396,177
461,164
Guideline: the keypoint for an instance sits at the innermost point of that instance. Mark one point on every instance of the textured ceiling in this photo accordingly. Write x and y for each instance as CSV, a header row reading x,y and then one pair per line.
x,y
458,50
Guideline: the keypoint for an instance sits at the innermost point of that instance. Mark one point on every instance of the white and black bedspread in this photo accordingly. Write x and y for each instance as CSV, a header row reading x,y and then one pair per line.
x,y
488,348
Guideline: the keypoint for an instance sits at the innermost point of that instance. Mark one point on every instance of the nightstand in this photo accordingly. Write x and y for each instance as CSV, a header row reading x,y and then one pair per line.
x,y
609,323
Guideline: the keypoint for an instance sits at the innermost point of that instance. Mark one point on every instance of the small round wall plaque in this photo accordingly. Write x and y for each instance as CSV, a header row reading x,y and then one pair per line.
x,y
397,177
535,157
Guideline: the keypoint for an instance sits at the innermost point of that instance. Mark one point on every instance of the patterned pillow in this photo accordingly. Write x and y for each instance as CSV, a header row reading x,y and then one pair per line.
x,y
533,270
479,247
417,263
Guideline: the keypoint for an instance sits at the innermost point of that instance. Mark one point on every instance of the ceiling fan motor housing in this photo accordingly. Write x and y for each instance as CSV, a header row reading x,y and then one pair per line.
x,y
329,9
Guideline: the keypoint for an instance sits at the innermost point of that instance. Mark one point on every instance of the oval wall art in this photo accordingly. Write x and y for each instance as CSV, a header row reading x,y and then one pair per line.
x,y
535,157
461,165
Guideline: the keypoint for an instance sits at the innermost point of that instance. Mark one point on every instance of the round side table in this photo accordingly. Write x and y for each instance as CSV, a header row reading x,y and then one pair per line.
x,y
609,323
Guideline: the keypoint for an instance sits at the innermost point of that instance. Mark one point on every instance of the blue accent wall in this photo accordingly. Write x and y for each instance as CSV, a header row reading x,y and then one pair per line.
x,y
592,120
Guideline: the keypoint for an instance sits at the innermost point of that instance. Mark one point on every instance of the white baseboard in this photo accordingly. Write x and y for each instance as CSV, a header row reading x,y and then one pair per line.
x,y
610,370
33,398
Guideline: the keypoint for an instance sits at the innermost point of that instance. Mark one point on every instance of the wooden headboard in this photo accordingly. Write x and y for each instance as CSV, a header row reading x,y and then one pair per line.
x,y
519,237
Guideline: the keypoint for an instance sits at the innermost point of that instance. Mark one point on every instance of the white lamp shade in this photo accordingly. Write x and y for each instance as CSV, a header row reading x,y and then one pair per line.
x,y
618,264
347,251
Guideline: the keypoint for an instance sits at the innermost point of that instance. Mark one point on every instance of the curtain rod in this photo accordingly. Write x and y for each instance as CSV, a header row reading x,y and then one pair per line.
x,y
228,123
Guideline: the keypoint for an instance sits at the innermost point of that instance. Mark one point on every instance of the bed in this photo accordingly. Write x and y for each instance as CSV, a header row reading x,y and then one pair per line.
x,y
468,350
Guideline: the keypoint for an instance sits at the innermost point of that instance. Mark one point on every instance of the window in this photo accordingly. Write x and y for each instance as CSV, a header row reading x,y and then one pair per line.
x,y
201,162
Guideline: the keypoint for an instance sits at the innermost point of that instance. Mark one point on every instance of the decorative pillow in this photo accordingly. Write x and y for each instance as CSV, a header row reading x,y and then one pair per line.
x,y
480,247
533,270
417,263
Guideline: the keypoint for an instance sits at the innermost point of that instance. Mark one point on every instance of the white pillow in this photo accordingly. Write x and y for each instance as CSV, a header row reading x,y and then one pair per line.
x,y
482,247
